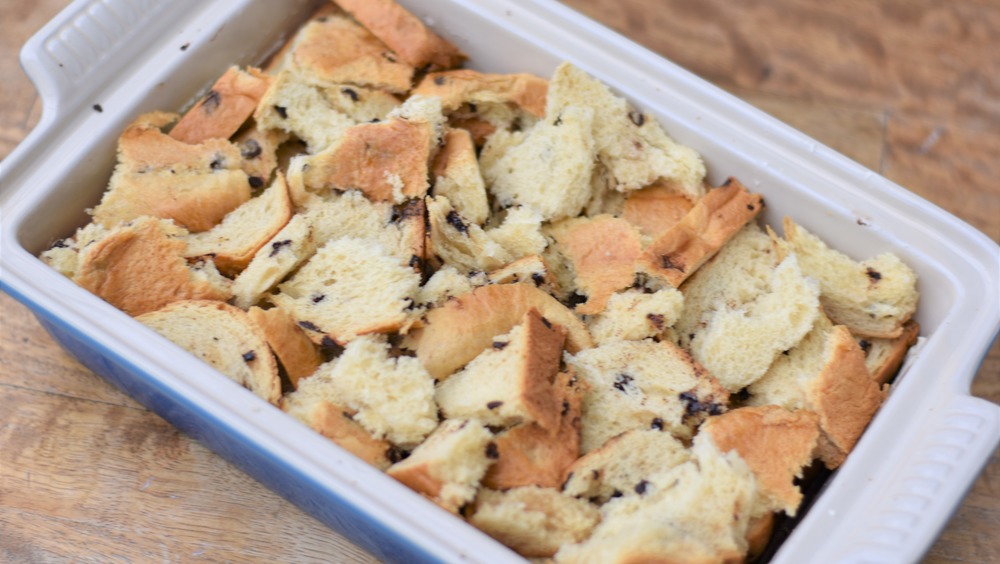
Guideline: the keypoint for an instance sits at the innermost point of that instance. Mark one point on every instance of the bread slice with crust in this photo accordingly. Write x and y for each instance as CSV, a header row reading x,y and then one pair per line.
x,y
636,384
64,254
525,92
159,176
140,267
655,209
533,521
512,381
337,423
224,337
457,177
465,325
883,357
873,298
531,269
405,33
296,353
454,241
279,256
222,111
448,466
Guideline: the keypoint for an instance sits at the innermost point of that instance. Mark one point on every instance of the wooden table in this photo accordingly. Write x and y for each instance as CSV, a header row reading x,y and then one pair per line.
x,y
908,88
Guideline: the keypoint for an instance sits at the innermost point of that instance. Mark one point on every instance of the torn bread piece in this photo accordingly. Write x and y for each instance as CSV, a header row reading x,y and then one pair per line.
x,y
391,397
713,220
336,422
776,443
448,466
336,50
259,151
530,454
140,267
222,111
233,243
456,176
632,145
404,33
655,209
622,465
634,383
296,353
224,337
350,287
825,373
873,298
546,168
464,326
64,254
460,87
883,357
159,176
633,315
697,511
742,309
446,283
279,256
396,155
531,269
533,521
602,251
456,242
512,381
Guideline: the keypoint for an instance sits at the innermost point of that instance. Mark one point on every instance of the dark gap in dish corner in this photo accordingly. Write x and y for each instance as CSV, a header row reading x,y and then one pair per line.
x,y
813,482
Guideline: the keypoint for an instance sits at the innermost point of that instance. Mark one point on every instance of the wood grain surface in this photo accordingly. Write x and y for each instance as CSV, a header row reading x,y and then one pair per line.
x,y
909,88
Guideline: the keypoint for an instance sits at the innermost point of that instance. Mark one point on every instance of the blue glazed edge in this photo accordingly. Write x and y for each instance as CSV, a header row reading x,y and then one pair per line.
x,y
238,449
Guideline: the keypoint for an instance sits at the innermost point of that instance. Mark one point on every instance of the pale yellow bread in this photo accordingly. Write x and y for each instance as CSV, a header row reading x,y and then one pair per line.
x,y
139,267
465,86
530,454
224,337
222,111
454,241
533,521
64,254
713,220
655,209
456,176
636,383
296,353
873,298
157,175
697,511
512,381
405,33
259,152
775,443
546,168
465,325
531,269
391,397
279,256
233,243
448,466
350,287
743,309
446,283
630,144
623,465
633,315
883,357
602,252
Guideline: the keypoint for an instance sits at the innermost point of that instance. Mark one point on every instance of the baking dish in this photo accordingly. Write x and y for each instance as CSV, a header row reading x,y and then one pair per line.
x,y
886,504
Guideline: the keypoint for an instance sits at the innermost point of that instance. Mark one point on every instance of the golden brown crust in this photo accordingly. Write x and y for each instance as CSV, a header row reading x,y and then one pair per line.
x,y
892,358
458,87
288,341
480,129
759,534
457,150
603,251
465,325
220,113
335,423
335,50
845,397
372,156
540,366
654,210
713,220
774,442
139,269
404,33
531,455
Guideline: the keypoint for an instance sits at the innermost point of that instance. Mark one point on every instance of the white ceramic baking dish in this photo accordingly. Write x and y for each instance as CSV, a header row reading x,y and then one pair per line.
x,y
100,63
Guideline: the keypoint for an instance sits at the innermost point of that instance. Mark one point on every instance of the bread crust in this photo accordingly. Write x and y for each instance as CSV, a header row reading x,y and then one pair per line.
x,y
223,110
297,354
335,423
655,209
463,86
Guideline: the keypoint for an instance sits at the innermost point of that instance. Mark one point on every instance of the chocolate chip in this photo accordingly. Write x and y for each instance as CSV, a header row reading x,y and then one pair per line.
x,y
277,245
416,262
728,181
637,118
350,93
695,406
455,221
211,101
640,488
97,108
256,182
494,404
547,323
492,452
439,80
217,163
616,493
575,299
249,356
251,149
473,108
668,262
282,111
60,244
656,319
865,345
621,381
558,121
396,454
743,394
750,207
317,298
499,345
873,274
595,474
537,278
657,424
309,326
